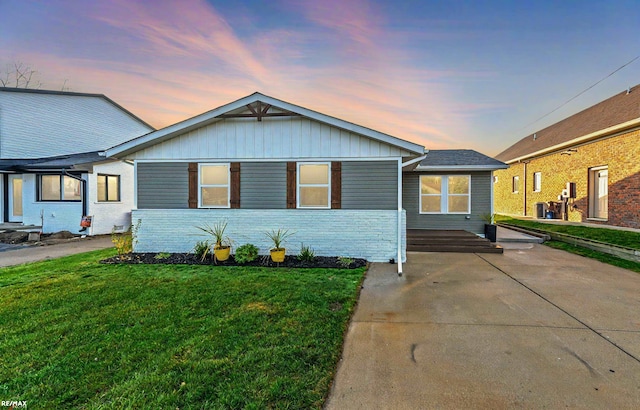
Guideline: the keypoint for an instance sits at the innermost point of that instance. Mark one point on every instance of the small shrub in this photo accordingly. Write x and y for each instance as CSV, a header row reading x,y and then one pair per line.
x,y
246,253
202,249
162,255
123,242
306,254
344,261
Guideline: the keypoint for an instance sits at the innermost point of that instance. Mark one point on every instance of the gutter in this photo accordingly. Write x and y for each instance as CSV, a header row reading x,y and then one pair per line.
x,y
460,167
413,161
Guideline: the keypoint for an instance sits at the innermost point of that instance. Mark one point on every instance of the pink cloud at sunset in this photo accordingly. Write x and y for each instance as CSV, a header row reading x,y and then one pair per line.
x,y
429,73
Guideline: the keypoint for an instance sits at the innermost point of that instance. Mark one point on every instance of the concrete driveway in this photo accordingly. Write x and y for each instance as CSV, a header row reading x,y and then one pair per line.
x,y
17,255
532,328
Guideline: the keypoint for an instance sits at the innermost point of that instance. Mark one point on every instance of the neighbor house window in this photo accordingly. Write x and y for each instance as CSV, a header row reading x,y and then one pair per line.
x,y
599,193
445,194
213,186
58,188
515,185
108,188
537,181
314,185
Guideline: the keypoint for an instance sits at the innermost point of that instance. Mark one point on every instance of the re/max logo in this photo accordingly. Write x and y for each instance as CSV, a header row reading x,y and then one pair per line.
x,y
13,404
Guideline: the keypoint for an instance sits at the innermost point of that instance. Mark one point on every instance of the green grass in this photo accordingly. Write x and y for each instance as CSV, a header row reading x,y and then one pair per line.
x,y
79,334
602,257
613,236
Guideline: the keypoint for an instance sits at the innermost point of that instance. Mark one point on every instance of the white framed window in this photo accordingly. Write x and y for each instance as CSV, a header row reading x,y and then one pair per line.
x,y
515,184
108,188
599,192
314,185
445,194
59,188
537,181
213,186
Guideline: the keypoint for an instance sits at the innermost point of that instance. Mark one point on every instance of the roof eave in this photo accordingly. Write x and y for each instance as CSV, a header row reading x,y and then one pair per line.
x,y
459,167
585,138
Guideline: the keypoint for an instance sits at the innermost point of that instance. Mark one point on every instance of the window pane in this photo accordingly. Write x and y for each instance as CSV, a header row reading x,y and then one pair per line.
x,y
214,175
314,174
17,196
430,185
458,203
314,196
215,196
102,188
71,189
431,203
458,185
114,189
50,185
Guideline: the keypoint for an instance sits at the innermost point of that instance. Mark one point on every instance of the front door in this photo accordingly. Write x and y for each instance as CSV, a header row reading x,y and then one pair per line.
x,y
15,198
599,195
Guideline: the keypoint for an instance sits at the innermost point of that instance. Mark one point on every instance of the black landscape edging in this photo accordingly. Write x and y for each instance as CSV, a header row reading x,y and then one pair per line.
x,y
331,262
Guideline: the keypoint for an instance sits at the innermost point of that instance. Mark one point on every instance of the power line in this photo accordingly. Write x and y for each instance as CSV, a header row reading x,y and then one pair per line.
x,y
580,93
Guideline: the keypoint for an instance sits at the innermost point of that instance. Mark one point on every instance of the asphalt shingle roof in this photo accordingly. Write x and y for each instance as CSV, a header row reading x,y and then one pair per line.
x,y
464,158
51,163
618,109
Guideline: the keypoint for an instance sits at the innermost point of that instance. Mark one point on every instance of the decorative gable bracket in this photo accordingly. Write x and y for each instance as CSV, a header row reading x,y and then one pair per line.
x,y
259,111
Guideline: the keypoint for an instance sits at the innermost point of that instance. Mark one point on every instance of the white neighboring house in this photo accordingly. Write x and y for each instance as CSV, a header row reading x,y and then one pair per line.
x,y
52,169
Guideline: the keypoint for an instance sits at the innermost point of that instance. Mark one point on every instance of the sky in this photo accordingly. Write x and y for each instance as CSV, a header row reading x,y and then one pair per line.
x,y
443,74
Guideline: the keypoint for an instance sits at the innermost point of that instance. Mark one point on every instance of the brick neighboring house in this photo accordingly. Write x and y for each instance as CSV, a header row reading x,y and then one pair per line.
x,y
598,149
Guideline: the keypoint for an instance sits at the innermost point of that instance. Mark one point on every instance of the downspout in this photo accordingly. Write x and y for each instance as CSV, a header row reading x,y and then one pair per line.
x,y
84,190
5,197
400,216
524,188
400,166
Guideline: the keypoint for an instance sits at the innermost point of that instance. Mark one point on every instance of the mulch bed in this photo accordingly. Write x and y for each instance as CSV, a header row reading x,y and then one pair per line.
x,y
265,261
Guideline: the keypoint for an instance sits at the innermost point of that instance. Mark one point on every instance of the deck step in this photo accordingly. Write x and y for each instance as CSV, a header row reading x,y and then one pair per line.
x,y
426,240
458,249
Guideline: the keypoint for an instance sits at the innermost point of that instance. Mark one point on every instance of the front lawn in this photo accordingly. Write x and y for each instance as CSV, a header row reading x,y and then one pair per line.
x,y
80,334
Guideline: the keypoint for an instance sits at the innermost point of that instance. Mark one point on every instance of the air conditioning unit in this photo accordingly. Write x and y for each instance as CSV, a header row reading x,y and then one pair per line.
x,y
541,209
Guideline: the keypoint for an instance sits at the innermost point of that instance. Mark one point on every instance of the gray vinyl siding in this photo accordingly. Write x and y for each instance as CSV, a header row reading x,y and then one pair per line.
x,y
263,185
370,185
480,204
163,185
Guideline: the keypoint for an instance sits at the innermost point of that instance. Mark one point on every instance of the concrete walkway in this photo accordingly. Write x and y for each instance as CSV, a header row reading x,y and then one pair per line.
x,y
532,328
26,254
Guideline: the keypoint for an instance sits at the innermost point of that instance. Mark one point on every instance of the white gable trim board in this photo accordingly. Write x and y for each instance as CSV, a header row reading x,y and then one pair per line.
x,y
281,138
125,149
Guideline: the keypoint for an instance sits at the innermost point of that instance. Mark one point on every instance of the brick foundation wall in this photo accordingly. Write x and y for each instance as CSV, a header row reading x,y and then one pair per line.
x,y
368,234
621,154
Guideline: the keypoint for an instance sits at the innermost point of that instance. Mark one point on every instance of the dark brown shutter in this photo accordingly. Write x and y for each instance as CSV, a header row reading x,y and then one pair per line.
x,y
291,185
235,185
336,185
193,185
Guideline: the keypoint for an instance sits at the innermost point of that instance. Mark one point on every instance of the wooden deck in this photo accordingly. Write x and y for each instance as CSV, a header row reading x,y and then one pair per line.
x,y
430,240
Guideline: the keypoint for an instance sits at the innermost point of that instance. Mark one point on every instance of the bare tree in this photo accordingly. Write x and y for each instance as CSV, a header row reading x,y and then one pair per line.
x,y
20,75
